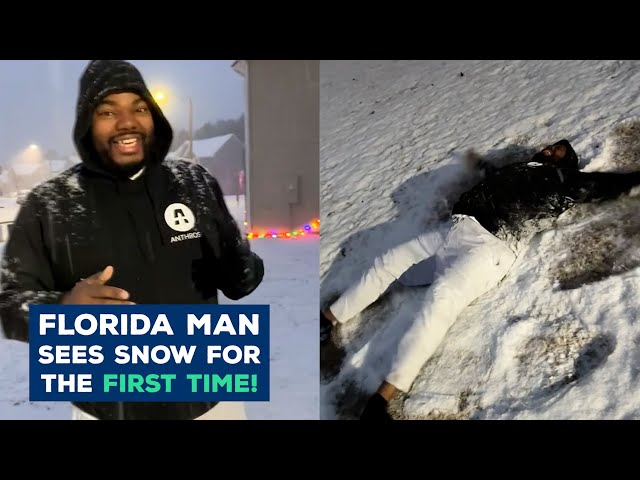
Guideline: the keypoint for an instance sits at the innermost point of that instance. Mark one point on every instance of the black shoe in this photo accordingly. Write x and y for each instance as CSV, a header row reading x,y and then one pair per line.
x,y
325,328
376,409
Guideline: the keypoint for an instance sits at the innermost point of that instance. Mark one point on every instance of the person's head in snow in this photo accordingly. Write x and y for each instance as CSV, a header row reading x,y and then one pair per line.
x,y
119,126
560,154
125,226
473,250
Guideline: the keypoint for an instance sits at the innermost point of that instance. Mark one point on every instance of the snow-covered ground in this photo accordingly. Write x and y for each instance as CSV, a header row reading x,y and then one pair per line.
x,y
290,287
559,338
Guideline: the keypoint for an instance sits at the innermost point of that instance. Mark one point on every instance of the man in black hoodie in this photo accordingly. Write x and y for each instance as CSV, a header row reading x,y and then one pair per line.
x,y
490,224
125,226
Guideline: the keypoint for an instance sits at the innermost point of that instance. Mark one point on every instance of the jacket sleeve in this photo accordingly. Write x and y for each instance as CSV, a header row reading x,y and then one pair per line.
x,y
26,276
242,270
595,186
486,168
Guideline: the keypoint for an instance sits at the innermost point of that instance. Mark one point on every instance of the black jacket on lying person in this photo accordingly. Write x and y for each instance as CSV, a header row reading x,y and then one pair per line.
x,y
510,198
168,234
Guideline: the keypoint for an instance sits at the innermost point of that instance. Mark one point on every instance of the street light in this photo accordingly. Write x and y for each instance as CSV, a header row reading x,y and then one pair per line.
x,y
160,96
28,165
39,155
35,148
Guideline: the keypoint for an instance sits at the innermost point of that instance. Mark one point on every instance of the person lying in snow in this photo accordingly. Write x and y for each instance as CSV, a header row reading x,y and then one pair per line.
x,y
489,226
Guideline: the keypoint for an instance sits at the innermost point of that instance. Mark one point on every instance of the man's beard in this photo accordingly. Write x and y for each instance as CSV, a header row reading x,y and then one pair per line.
x,y
126,171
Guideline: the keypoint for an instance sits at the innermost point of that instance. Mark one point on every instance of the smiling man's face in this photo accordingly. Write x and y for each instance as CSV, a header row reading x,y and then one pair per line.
x,y
122,129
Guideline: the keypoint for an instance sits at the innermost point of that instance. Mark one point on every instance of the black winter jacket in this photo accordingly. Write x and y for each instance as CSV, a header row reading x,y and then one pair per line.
x,y
87,218
511,201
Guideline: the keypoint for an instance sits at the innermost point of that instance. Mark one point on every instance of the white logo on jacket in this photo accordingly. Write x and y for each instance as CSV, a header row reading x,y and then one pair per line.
x,y
181,219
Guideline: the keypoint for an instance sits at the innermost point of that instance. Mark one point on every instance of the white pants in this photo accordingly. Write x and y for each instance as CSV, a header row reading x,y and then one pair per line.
x,y
469,261
222,411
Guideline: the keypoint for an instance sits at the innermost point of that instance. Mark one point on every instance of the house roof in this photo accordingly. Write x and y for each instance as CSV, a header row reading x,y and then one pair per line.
x,y
240,67
26,168
207,147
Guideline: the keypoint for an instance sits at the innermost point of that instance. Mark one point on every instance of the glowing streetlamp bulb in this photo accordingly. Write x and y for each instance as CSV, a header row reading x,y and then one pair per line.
x,y
33,146
159,96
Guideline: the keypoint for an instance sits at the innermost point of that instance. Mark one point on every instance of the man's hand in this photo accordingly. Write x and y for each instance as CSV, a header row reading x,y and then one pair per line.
x,y
92,290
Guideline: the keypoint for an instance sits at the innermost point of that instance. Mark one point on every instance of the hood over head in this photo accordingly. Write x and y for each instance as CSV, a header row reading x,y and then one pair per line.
x,y
105,77
560,154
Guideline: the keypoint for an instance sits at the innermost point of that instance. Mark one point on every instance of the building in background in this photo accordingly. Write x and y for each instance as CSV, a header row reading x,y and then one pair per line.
x,y
282,125
222,156
24,172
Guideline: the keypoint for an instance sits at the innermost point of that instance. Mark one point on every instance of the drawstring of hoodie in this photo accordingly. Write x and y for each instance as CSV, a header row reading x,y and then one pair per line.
x,y
154,208
133,210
